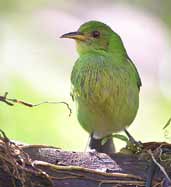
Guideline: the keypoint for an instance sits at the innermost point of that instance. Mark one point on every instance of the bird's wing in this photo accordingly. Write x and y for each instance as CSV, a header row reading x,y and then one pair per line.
x,y
71,93
139,83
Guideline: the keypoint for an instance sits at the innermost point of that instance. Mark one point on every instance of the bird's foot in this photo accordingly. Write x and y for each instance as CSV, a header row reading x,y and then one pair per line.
x,y
132,144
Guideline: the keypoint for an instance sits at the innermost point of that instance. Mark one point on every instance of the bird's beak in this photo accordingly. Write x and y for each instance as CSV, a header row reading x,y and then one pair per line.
x,y
75,35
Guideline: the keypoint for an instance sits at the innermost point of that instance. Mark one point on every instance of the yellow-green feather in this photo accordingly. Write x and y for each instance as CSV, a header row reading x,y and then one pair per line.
x,y
106,91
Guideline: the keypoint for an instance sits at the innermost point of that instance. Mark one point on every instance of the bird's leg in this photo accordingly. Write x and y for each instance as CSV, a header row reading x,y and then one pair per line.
x,y
107,147
137,145
131,139
90,146
94,144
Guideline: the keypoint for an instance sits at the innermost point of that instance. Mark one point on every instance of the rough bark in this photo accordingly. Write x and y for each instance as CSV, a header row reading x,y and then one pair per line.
x,y
38,165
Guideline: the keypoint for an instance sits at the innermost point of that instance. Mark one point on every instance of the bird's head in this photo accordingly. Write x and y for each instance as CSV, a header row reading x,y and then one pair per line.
x,y
95,36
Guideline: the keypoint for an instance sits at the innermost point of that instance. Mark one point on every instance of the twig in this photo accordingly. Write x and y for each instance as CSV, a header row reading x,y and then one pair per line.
x,y
159,165
72,172
15,161
4,99
6,139
11,102
78,168
44,102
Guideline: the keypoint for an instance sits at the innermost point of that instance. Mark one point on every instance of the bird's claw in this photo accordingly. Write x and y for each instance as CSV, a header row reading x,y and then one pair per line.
x,y
132,144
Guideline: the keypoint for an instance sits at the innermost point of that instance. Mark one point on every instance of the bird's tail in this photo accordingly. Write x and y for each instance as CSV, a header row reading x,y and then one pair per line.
x,y
108,147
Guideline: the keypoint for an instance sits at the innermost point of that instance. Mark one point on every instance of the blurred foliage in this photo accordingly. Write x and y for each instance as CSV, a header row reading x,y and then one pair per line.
x,y
158,7
8,6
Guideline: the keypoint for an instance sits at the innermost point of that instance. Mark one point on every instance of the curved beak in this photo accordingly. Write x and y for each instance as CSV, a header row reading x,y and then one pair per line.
x,y
75,35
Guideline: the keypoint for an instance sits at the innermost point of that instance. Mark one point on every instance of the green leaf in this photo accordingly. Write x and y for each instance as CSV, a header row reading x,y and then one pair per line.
x,y
121,137
118,136
167,124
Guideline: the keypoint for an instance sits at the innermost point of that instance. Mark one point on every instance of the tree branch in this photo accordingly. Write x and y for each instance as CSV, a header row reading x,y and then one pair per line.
x,y
40,165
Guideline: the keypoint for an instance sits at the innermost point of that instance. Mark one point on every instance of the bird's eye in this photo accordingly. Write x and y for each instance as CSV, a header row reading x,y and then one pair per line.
x,y
96,34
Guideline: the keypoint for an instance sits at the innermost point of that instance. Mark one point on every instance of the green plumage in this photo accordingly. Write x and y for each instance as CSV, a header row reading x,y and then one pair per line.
x,y
105,82
106,93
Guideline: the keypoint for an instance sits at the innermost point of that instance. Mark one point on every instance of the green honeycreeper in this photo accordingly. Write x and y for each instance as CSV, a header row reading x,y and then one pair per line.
x,y
105,83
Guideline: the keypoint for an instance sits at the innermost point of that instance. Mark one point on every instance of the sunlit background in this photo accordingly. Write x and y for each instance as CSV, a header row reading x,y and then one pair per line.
x,y
35,65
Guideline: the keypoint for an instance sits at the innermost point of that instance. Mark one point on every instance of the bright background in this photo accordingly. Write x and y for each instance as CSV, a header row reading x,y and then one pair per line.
x,y
35,65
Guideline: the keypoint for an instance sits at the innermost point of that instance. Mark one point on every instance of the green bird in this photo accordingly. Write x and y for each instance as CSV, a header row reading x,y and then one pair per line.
x,y
105,83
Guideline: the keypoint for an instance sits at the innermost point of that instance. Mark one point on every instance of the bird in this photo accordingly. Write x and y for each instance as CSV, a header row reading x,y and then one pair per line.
x,y
105,84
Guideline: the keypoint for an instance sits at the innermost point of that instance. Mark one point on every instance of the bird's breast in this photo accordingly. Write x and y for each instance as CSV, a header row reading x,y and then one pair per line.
x,y
105,93
97,82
